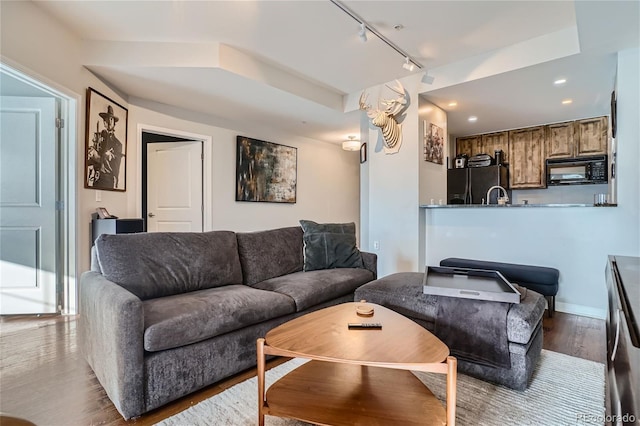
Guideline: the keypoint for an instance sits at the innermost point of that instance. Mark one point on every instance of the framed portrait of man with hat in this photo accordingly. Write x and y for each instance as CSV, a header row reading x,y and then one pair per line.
x,y
106,143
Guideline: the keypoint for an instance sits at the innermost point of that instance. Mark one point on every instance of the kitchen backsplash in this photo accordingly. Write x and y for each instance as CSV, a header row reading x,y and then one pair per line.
x,y
570,194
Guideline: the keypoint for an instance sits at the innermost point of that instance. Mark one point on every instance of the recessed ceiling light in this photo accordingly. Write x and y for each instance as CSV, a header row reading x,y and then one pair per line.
x,y
453,103
567,101
560,81
473,119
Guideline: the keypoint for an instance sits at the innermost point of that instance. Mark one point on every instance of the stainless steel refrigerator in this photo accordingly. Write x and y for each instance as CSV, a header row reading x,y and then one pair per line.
x,y
470,184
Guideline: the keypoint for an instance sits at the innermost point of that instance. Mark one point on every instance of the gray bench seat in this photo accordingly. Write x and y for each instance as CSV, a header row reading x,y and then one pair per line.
x,y
541,279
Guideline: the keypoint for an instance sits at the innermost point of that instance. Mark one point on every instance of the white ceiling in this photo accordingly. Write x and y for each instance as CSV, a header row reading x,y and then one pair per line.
x,y
290,64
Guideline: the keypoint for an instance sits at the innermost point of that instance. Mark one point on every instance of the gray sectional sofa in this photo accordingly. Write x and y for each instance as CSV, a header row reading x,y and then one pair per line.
x,y
165,314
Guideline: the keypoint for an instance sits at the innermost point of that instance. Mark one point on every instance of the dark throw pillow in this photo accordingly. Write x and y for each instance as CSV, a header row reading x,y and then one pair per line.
x,y
330,245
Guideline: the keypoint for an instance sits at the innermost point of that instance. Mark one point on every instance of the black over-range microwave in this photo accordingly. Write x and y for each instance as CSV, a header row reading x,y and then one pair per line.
x,y
577,171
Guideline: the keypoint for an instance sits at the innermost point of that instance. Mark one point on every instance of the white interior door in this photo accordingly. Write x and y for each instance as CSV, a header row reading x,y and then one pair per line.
x,y
174,186
27,205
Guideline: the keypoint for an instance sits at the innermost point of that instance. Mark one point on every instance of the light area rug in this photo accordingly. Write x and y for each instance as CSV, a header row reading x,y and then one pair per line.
x,y
564,390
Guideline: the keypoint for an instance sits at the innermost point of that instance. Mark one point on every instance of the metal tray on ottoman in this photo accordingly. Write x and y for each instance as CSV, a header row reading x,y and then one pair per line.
x,y
468,283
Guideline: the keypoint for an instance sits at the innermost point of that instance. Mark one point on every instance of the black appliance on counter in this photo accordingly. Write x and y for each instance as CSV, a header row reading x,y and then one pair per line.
x,y
480,160
460,161
470,185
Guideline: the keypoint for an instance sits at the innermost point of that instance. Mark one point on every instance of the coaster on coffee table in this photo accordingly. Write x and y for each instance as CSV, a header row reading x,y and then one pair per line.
x,y
364,309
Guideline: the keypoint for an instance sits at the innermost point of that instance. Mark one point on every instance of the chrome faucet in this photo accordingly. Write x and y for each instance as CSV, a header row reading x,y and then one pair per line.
x,y
504,191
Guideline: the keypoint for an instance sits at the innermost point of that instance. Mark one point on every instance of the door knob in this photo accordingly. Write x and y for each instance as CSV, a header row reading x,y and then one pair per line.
x,y
151,215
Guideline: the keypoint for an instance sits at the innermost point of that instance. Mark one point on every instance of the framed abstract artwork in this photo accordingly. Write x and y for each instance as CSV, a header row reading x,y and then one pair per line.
x,y
106,143
265,171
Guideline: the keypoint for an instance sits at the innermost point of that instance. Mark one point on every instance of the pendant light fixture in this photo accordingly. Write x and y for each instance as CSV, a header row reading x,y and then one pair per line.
x,y
352,144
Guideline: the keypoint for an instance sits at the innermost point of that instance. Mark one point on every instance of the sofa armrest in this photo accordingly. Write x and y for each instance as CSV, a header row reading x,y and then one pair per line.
x,y
111,327
370,262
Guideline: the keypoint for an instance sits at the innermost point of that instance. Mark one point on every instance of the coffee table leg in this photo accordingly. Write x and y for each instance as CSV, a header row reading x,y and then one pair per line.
x,y
452,378
261,396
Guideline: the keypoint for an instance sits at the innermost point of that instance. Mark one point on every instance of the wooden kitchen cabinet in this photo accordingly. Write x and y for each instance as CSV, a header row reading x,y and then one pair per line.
x,y
560,142
483,144
577,138
495,141
526,149
527,154
470,145
592,136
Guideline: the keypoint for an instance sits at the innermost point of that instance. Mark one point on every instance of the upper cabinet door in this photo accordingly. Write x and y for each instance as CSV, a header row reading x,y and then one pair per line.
x,y
496,141
592,137
526,153
560,141
470,145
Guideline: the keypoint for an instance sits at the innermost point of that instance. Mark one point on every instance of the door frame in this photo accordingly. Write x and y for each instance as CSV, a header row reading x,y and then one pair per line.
x,y
207,214
67,103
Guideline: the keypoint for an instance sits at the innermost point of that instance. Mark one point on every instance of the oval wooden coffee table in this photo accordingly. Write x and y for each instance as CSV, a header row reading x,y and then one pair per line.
x,y
356,377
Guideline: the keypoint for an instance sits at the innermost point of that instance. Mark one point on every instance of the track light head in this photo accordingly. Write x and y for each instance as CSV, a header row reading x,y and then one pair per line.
x,y
408,65
363,32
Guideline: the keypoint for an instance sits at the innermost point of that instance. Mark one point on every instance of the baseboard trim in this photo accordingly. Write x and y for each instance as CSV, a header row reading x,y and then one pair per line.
x,y
581,310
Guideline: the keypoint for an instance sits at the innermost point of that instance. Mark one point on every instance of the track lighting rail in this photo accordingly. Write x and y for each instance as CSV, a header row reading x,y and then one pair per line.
x,y
362,22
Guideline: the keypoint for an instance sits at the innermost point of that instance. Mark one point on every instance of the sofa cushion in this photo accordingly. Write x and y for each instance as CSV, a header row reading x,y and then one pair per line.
x,y
310,288
182,319
165,263
330,245
270,254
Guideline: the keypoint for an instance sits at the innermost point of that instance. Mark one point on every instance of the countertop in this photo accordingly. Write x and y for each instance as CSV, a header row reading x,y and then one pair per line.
x,y
485,206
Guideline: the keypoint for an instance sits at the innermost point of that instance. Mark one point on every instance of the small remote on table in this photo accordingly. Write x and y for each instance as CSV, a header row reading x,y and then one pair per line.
x,y
365,326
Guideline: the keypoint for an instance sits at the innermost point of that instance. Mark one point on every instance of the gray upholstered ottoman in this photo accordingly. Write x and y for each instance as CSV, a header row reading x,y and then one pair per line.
x,y
497,342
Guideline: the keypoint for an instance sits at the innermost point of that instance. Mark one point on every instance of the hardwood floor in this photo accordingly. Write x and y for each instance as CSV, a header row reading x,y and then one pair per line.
x,y
577,336
44,379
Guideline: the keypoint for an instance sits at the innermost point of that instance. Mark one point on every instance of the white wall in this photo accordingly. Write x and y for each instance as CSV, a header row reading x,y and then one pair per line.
x,y
432,185
433,177
37,44
392,183
327,176
574,240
